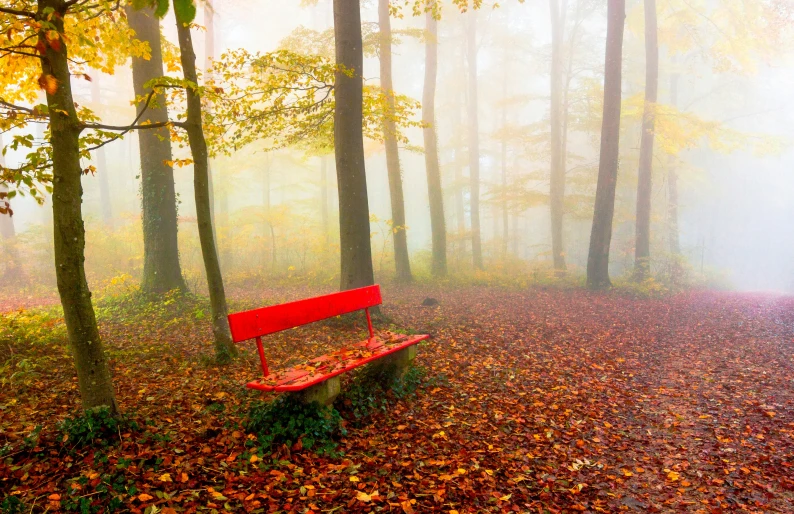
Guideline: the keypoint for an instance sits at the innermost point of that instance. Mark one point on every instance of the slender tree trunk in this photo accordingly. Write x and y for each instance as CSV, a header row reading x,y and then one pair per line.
x,y
354,229
474,139
224,349
642,247
161,268
101,161
503,159
672,179
557,178
399,229
209,54
93,374
324,214
7,230
435,193
601,233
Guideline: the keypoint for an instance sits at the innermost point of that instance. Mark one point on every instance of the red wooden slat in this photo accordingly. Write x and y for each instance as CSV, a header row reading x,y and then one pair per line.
x,y
333,364
267,320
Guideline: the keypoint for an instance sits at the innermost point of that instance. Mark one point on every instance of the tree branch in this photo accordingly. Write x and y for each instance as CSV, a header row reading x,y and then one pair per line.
x,y
17,12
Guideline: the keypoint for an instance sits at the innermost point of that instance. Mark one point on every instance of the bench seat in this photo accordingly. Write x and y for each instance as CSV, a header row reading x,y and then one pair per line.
x,y
335,363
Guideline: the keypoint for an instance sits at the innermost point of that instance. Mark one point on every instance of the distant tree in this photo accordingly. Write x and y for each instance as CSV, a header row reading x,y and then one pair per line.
x,y
399,229
354,229
474,138
161,268
434,190
642,252
601,233
557,177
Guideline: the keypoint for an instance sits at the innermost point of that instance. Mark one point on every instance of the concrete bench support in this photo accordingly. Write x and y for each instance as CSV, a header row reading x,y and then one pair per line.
x,y
323,393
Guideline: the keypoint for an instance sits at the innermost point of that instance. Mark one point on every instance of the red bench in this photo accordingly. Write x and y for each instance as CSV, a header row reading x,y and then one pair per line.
x,y
256,323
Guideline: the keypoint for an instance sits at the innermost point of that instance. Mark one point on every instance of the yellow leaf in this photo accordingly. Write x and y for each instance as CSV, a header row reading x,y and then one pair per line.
x,y
461,471
354,478
506,497
673,476
364,497
253,459
165,477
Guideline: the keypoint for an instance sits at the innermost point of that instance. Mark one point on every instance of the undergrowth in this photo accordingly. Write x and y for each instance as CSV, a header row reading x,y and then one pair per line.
x,y
94,427
286,420
375,388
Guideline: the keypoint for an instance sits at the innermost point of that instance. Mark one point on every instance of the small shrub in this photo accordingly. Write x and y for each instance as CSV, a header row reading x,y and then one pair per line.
x,y
375,388
286,420
12,505
93,426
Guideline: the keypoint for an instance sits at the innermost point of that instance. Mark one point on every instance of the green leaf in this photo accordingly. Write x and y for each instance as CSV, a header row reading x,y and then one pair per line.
x,y
161,9
185,10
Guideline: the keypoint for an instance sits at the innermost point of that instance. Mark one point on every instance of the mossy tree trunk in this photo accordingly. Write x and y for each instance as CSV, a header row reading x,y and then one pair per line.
x,y
161,268
354,228
224,348
93,373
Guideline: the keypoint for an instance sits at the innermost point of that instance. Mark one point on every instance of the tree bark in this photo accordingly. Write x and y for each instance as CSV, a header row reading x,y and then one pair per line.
x,y
402,261
435,193
474,139
224,349
642,246
209,54
557,177
161,269
601,233
93,373
354,229
672,178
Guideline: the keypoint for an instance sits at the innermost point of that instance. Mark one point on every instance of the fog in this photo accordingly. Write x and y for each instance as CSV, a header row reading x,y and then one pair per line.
x,y
734,181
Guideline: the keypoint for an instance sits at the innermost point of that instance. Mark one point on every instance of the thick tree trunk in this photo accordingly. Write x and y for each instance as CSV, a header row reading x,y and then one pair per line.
x,y
642,247
354,229
399,229
161,268
672,180
601,233
93,373
435,193
474,139
224,349
557,178
101,161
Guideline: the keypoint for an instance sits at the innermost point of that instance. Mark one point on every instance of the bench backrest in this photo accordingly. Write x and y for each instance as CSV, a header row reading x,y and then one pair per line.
x,y
267,320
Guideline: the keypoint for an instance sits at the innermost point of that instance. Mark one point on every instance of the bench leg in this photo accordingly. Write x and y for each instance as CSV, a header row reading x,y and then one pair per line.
x,y
399,362
323,393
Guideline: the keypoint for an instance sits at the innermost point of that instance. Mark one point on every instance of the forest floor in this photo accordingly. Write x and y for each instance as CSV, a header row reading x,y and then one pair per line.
x,y
532,401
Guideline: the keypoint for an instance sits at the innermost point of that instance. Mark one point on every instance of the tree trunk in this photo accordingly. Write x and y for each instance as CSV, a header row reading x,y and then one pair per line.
x,y
161,268
435,193
672,179
224,349
642,247
557,177
7,230
354,229
503,162
101,161
399,229
601,233
324,214
474,139
93,374
209,54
